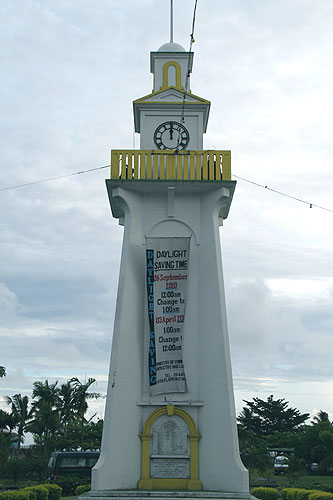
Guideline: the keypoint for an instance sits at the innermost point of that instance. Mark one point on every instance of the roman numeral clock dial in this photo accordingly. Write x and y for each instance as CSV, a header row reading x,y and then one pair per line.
x,y
171,135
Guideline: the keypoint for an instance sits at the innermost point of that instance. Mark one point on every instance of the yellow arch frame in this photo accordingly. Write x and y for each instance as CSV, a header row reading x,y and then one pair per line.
x,y
166,75
148,483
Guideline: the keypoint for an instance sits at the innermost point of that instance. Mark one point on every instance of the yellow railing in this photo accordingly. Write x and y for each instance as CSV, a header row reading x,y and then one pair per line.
x,y
136,164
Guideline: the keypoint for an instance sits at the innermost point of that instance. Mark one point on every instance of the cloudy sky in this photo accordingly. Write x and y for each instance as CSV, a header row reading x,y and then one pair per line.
x,y
70,71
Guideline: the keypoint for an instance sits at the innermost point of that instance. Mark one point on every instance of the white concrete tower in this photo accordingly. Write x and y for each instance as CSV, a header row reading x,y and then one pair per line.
x,y
170,420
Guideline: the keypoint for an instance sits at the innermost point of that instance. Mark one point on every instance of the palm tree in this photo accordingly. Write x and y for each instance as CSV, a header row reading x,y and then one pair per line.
x,y
66,403
45,413
7,439
2,371
6,420
20,413
322,416
81,395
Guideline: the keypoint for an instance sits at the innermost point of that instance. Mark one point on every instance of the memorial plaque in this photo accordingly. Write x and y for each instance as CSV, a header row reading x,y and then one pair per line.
x,y
171,439
170,457
170,467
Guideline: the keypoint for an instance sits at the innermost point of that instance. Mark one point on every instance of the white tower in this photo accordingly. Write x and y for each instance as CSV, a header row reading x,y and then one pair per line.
x,y
170,420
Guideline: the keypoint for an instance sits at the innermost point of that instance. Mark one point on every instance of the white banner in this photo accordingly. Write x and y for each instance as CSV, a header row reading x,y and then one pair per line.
x,y
167,264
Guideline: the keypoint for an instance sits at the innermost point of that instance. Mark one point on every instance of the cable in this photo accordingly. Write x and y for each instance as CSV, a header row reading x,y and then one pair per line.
x,y
311,205
189,62
54,178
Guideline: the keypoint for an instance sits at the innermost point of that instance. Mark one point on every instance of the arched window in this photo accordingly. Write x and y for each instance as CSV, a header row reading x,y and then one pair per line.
x,y
171,75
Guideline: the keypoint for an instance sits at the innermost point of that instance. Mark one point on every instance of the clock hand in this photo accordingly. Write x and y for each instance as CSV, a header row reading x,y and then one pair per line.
x,y
171,131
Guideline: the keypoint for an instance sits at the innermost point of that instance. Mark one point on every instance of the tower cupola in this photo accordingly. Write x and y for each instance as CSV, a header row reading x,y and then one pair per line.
x,y
170,65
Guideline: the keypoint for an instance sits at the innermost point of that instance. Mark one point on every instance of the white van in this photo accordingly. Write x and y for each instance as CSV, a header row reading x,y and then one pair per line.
x,y
281,464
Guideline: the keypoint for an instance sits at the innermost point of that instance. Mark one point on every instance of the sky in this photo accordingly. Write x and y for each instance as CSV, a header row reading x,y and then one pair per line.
x,y
70,71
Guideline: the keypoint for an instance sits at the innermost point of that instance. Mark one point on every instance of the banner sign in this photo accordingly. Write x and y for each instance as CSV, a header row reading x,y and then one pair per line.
x,y
167,264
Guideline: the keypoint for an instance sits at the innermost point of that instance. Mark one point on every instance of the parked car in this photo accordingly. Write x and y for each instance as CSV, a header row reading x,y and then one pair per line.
x,y
281,464
71,463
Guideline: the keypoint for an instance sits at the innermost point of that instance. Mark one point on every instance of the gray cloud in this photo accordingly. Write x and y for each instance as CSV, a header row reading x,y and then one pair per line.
x,y
71,72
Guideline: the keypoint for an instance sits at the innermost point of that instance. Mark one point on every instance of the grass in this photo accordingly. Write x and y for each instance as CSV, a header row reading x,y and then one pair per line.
x,y
291,480
9,483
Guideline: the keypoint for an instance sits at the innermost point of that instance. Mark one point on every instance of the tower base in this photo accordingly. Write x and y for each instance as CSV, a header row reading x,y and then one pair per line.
x,y
164,495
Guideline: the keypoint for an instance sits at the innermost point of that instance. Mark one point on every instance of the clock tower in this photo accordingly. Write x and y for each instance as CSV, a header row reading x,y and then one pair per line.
x,y
170,425
171,117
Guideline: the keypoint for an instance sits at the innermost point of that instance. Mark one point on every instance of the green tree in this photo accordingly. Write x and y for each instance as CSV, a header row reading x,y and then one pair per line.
x,y
80,400
249,421
322,416
6,420
71,438
20,413
66,403
6,442
45,414
267,417
253,449
7,439
314,443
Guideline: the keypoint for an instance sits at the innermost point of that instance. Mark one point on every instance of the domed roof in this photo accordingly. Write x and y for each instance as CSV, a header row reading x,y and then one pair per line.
x,y
171,47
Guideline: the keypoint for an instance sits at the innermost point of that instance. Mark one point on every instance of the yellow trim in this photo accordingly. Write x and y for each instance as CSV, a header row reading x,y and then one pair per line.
x,y
166,67
192,167
148,483
170,168
186,163
139,164
148,160
114,164
153,94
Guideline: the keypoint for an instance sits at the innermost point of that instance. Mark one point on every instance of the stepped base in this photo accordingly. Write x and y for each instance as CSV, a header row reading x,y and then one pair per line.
x,y
163,495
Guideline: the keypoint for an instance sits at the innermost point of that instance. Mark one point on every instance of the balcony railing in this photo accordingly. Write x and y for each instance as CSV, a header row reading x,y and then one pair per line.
x,y
192,165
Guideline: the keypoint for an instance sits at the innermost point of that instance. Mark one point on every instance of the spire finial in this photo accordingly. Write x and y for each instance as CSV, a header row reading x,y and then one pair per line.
x,y
171,21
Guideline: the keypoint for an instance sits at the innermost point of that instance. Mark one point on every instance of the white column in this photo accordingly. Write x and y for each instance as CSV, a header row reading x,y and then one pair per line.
x,y
196,209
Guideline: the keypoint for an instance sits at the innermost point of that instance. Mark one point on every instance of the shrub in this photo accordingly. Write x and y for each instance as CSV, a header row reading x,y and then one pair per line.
x,y
265,493
304,494
37,469
54,490
284,493
14,495
15,469
22,468
292,493
32,494
70,483
321,495
82,489
40,491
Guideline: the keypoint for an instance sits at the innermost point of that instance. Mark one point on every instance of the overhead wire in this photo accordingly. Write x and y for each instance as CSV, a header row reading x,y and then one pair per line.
x,y
311,205
189,62
263,186
54,178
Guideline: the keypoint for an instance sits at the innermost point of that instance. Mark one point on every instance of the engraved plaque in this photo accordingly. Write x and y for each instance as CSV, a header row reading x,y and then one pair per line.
x,y
169,467
170,456
170,438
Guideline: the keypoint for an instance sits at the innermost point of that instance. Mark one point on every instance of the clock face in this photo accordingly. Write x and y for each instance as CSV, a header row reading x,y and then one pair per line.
x,y
171,135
